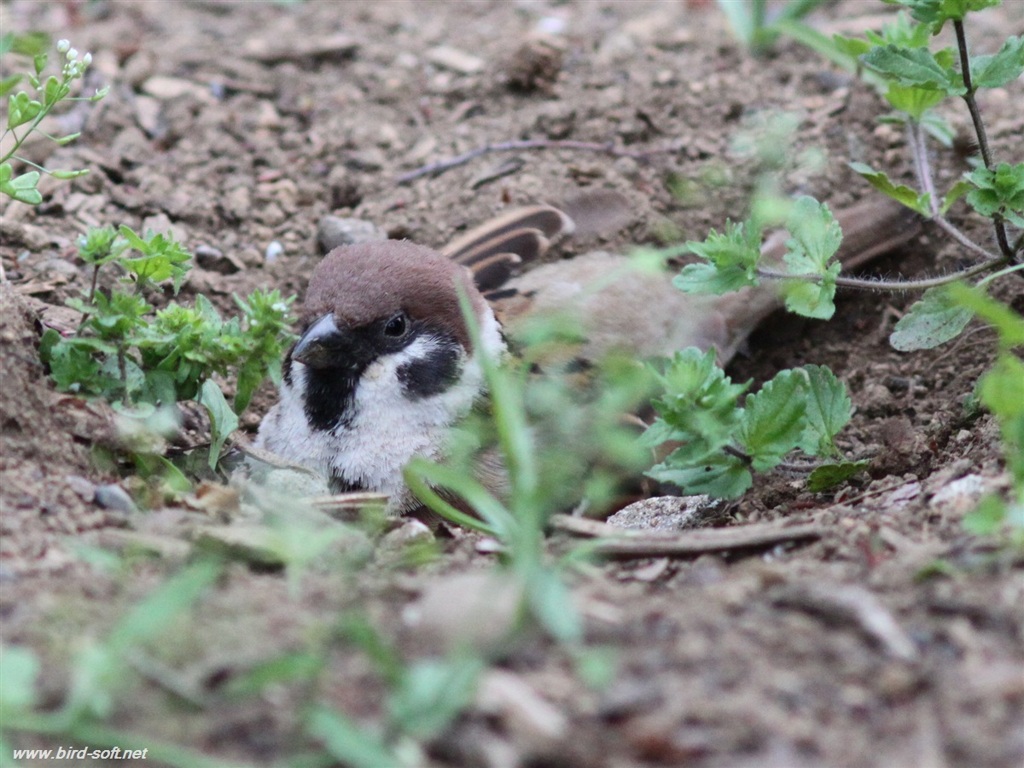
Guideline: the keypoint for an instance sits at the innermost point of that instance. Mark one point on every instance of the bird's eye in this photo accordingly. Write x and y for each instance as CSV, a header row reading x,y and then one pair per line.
x,y
397,326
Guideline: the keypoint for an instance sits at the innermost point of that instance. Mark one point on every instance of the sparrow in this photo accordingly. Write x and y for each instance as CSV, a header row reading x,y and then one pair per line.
x,y
385,365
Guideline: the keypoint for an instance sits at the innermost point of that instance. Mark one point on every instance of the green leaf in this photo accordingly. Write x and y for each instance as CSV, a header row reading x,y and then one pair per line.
x,y
830,475
915,67
719,475
64,175
932,321
815,237
21,109
1008,324
21,188
999,191
551,603
898,192
773,420
698,407
19,669
1000,68
298,666
936,13
64,140
955,192
828,410
28,44
732,258
913,100
223,420
987,518
346,742
938,127
163,606
8,83
432,693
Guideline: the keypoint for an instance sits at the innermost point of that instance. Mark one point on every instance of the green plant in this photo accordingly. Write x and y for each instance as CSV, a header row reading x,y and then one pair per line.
x,y
720,443
97,677
131,353
757,28
914,80
422,698
548,442
25,112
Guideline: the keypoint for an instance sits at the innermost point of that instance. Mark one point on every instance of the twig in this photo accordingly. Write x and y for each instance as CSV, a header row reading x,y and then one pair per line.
x,y
856,605
435,169
620,542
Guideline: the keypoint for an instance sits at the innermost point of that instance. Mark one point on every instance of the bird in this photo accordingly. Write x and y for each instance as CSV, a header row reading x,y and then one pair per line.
x,y
385,366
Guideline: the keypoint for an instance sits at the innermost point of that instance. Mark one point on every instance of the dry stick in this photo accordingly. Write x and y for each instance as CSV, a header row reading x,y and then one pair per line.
x,y
435,169
852,604
617,542
979,129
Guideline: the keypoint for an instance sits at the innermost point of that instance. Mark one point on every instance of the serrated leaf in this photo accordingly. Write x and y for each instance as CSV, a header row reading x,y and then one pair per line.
x,y
815,234
223,420
932,321
1000,68
720,475
898,192
731,256
708,279
830,475
998,191
828,411
810,299
773,420
936,13
815,239
913,100
915,67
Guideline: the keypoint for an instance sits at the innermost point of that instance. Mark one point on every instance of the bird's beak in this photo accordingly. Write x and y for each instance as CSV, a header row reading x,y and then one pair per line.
x,y
323,345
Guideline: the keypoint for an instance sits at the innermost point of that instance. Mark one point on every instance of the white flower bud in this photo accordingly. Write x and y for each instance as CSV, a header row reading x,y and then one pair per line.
x,y
87,59
63,45
72,54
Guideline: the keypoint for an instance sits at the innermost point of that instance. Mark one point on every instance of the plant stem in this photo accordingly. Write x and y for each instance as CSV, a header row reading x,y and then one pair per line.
x,y
871,284
744,457
922,168
979,130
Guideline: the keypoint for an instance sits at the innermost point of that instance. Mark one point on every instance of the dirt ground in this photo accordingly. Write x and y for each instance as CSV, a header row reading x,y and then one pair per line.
x,y
241,125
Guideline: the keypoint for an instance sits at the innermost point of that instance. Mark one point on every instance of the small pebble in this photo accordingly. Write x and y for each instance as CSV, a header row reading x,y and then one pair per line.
x,y
274,251
115,498
333,231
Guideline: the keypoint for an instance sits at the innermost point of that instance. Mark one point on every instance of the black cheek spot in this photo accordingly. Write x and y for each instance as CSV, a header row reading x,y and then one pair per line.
x,y
430,375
